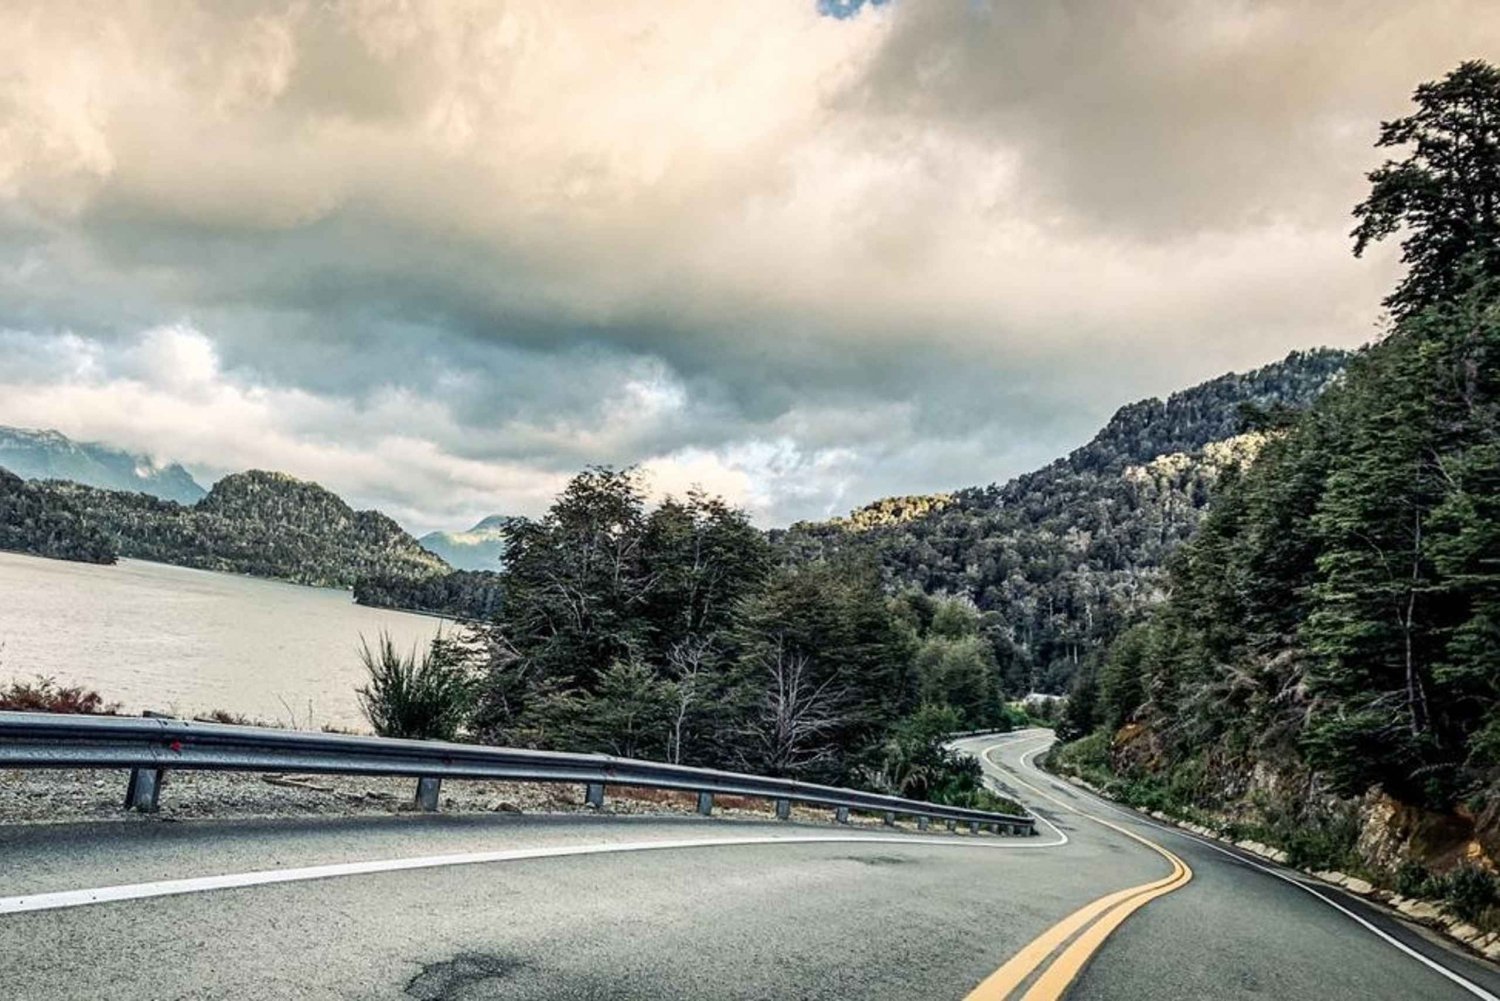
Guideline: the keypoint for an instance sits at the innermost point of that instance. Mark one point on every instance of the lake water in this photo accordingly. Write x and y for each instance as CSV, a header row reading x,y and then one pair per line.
x,y
152,636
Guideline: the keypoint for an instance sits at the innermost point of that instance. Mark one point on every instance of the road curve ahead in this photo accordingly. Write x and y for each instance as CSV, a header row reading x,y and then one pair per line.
x,y
463,908
1232,926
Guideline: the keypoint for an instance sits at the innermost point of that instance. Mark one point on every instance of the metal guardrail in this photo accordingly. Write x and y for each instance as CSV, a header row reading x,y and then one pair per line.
x,y
151,746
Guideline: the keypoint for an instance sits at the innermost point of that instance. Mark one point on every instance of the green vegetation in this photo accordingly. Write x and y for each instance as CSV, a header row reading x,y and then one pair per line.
x,y
1335,620
1057,561
673,633
469,595
259,523
34,521
415,696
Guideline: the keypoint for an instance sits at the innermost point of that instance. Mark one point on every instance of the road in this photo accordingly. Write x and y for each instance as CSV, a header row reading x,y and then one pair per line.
x,y
602,907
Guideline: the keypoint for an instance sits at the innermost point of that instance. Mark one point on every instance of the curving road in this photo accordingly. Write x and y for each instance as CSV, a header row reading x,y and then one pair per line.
x,y
1239,927
603,907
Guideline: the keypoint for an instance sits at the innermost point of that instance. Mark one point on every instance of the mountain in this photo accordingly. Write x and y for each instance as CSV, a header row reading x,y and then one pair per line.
x,y
1063,557
480,548
49,455
259,523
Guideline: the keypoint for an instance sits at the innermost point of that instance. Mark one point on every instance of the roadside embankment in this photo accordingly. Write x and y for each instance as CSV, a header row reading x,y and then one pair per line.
x,y
1437,915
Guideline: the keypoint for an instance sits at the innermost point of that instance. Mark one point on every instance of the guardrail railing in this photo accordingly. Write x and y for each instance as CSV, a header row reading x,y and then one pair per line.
x,y
151,746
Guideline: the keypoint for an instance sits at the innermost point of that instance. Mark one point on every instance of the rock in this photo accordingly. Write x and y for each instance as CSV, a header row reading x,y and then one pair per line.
x,y
1465,932
1359,886
504,806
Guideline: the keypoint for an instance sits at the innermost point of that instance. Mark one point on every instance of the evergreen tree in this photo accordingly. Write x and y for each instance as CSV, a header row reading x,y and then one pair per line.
x,y
1445,193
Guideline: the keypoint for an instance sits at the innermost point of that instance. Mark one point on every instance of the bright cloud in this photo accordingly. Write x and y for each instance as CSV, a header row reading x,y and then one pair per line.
x,y
438,256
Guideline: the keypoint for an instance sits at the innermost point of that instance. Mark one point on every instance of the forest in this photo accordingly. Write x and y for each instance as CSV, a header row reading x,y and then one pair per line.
x,y
1058,561
258,523
1331,633
674,633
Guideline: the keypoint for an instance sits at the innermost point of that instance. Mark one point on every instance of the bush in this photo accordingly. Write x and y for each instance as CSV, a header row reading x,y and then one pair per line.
x,y
45,696
426,698
1413,880
1086,757
1470,891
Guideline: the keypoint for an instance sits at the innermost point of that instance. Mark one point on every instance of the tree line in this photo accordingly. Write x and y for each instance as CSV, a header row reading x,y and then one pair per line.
x,y
1060,560
675,633
1338,613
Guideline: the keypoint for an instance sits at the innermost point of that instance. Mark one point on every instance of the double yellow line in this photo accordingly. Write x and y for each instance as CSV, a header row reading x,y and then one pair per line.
x,y
1092,924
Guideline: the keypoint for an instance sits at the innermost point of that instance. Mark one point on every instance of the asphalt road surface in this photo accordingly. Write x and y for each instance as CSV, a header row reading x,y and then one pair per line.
x,y
1101,904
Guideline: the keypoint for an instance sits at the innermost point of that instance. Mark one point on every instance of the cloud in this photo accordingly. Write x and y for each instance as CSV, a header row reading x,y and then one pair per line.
x,y
439,256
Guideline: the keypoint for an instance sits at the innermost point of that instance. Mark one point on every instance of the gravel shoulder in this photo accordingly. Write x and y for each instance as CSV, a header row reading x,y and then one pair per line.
x,y
42,796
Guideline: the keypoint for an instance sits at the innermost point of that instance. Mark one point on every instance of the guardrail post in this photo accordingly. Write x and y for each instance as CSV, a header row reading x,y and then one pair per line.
x,y
783,809
952,825
890,818
593,795
841,815
922,823
144,789
705,803
973,827
427,793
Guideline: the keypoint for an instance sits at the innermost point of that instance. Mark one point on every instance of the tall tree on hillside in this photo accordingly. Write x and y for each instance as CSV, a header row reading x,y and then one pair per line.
x,y
1445,193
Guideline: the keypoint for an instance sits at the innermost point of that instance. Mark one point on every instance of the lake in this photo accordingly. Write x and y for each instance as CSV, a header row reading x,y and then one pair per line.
x,y
152,636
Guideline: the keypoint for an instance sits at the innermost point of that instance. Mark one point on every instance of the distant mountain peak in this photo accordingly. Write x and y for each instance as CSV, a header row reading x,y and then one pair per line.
x,y
480,548
47,454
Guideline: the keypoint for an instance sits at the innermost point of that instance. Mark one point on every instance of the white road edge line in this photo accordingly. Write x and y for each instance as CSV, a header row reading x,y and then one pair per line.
x,y
983,753
1427,961
200,884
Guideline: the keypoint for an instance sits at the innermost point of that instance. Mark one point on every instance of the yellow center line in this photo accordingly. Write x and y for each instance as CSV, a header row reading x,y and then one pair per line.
x,y
1066,967
1115,907
999,984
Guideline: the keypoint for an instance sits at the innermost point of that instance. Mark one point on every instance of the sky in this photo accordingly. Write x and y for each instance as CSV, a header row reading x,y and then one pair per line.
x,y
803,253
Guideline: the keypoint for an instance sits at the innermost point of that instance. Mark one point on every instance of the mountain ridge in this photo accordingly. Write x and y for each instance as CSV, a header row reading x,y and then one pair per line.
x,y
479,548
1063,556
47,454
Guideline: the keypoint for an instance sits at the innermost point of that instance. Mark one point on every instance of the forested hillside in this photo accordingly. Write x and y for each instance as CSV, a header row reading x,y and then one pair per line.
x,y
1325,670
265,524
32,520
470,595
1062,557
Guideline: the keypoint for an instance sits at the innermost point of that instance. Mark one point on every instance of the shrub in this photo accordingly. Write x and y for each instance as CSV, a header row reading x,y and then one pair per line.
x,y
422,698
44,695
1470,891
1413,880
233,719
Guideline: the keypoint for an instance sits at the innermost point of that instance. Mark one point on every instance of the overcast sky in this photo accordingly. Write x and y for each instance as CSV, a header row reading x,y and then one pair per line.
x,y
438,256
